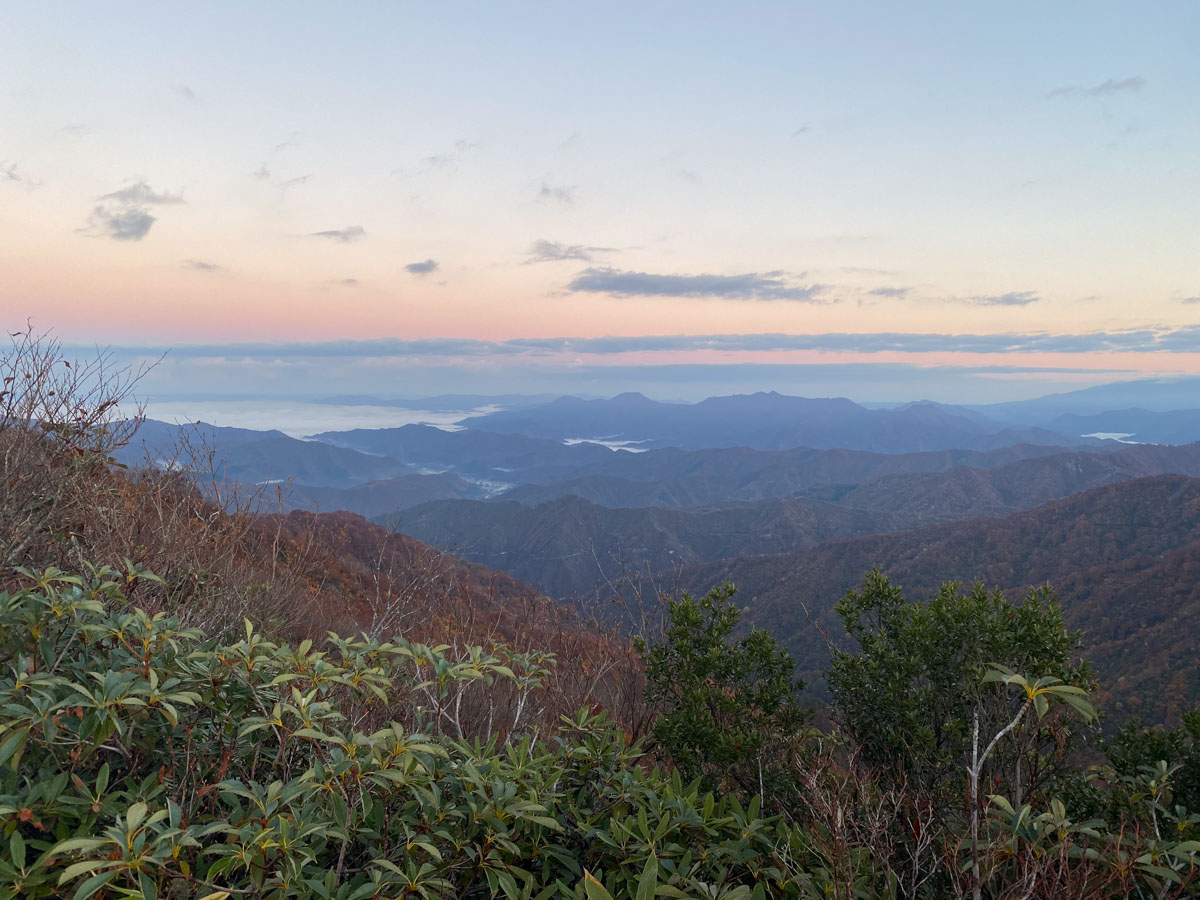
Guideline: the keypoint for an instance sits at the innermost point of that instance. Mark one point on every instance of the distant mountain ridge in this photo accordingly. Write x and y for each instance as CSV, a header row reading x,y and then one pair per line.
x,y
764,421
1143,426
566,543
535,470
1153,394
254,457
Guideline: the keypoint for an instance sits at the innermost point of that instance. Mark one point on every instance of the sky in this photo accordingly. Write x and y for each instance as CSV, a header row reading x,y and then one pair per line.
x,y
882,200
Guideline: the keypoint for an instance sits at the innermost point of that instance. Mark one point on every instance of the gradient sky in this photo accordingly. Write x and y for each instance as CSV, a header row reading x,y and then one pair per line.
x,y
907,179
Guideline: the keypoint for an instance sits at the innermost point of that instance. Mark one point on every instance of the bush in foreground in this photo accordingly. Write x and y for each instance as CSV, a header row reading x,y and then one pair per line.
x,y
140,759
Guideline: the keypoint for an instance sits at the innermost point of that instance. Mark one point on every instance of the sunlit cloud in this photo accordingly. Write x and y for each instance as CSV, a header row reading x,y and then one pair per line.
x,y
749,286
1012,298
422,268
141,194
451,159
345,235
553,251
556,193
124,214
1178,340
9,173
202,265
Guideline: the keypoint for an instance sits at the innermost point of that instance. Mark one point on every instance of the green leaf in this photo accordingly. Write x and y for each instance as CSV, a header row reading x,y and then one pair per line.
x,y
649,880
16,849
593,888
88,865
73,845
93,884
11,745
136,814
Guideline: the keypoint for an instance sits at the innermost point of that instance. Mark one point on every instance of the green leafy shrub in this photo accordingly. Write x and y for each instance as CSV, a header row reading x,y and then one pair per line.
x,y
730,713
910,693
142,760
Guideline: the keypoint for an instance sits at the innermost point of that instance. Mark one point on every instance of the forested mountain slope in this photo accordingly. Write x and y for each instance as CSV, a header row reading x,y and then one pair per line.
x,y
1125,558
567,546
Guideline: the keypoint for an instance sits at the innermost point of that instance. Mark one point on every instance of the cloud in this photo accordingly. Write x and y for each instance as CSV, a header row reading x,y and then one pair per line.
x,y
185,92
450,159
9,173
73,129
690,176
803,129
202,265
750,286
1104,89
263,173
421,268
1190,300
342,235
898,292
349,282
1012,298
290,141
552,251
557,193
1179,340
124,214
141,194
866,270
120,224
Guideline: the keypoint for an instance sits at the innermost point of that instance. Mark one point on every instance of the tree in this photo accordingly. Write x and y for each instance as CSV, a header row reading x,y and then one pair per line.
x,y
730,710
60,423
910,694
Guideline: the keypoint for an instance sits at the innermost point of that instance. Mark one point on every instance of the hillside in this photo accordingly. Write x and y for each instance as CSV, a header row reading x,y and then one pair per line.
x,y
376,498
254,457
965,492
1124,558
674,477
568,545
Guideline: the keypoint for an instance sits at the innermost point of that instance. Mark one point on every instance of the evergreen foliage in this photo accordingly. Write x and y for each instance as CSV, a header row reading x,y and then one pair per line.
x,y
730,710
911,691
140,759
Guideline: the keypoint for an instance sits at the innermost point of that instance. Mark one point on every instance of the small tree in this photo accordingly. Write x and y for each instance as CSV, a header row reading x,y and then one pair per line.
x,y
730,710
61,420
911,693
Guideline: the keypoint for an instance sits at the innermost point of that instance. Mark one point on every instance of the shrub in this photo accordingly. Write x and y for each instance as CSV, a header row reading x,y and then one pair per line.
x,y
144,760
729,710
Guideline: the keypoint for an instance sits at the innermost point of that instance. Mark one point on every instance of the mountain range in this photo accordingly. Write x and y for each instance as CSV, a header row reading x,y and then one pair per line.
x,y
792,499
1125,560
763,421
568,544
